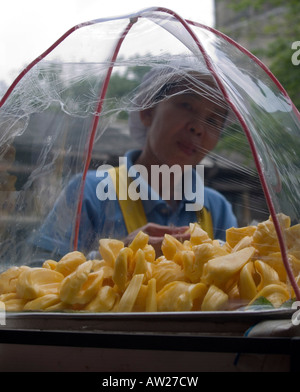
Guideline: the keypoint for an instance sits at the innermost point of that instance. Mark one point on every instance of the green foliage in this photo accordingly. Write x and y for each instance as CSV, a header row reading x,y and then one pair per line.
x,y
283,30
261,303
120,85
288,304
232,137
255,4
79,91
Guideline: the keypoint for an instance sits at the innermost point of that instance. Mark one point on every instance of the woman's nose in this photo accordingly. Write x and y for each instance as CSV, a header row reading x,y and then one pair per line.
x,y
196,128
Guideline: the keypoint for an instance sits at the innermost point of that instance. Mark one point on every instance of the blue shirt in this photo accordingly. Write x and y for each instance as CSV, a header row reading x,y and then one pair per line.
x,y
104,219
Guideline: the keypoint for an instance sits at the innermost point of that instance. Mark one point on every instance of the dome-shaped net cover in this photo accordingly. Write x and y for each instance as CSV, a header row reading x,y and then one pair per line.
x,y
77,108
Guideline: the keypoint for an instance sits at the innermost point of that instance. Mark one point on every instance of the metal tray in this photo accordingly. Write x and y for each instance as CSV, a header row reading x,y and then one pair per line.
x,y
219,323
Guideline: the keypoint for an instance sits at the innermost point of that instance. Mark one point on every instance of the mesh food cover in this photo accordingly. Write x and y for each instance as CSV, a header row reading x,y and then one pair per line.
x,y
148,91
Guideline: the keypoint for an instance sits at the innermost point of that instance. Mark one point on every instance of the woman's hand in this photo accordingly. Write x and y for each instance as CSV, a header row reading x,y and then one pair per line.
x,y
156,235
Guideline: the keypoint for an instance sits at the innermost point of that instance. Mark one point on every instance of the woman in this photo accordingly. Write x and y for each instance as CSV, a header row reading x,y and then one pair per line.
x,y
178,117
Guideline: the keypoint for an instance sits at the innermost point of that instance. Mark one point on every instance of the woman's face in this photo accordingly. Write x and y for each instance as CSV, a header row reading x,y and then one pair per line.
x,y
182,129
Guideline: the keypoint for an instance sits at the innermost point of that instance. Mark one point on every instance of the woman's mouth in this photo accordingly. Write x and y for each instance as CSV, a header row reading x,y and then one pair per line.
x,y
187,148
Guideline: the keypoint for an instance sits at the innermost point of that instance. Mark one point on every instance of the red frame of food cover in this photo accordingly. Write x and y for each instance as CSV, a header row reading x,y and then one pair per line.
x,y
210,66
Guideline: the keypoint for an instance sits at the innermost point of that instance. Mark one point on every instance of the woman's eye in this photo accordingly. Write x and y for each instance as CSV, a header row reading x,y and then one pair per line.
x,y
186,105
211,121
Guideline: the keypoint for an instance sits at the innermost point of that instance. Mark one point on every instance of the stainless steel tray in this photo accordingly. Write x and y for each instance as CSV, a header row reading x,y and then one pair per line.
x,y
219,323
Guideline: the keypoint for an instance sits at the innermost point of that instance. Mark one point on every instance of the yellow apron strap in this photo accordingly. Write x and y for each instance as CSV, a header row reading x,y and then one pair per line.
x,y
205,221
132,210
